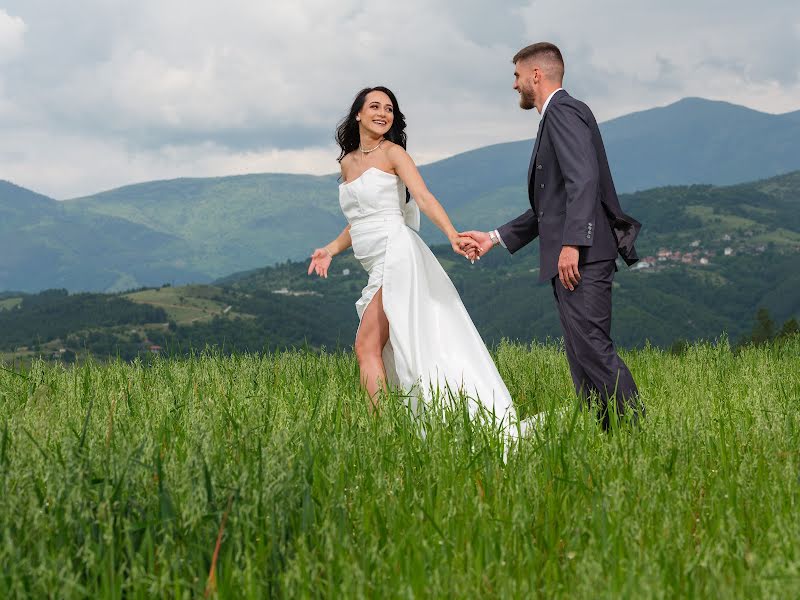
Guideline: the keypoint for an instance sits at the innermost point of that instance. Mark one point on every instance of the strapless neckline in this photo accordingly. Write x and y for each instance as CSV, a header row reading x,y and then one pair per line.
x,y
344,183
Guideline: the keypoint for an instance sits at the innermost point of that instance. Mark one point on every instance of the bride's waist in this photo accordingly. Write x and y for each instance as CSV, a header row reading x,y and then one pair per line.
x,y
389,215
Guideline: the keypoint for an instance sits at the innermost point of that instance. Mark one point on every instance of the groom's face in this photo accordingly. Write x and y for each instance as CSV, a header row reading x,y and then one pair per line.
x,y
525,82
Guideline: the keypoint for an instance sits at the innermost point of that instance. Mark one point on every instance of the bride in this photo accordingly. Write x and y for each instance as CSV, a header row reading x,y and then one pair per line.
x,y
414,331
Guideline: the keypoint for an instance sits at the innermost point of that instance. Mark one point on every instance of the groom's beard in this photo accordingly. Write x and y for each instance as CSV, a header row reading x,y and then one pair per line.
x,y
526,100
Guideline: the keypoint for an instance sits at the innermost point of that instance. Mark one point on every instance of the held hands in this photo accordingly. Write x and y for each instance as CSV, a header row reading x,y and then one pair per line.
x,y
478,244
460,245
474,244
320,262
568,267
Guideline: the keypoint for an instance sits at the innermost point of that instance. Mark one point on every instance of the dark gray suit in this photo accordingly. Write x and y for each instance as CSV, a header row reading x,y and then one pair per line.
x,y
573,202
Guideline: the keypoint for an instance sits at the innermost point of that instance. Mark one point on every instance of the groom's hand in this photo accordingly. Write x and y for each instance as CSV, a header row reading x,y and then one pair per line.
x,y
568,267
480,242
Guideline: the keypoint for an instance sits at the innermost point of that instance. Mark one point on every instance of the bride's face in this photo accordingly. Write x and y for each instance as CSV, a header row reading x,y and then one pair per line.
x,y
377,114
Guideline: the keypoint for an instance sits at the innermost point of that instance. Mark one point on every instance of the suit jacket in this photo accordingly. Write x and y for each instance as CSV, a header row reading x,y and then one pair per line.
x,y
572,195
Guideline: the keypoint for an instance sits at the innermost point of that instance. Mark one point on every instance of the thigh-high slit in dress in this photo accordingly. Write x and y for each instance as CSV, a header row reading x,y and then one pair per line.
x,y
433,344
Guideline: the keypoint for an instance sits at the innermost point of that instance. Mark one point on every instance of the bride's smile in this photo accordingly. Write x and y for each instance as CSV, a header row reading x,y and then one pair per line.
x,y
377,114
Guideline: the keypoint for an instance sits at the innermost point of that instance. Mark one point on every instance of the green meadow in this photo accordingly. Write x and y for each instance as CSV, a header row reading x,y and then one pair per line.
x,y
264,475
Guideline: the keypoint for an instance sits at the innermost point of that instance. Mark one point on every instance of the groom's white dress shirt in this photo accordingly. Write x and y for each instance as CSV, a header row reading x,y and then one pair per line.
x,y
550,97
544,108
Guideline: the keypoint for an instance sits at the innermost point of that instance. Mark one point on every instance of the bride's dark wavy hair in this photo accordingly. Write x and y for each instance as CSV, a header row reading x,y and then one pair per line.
x,y
347,135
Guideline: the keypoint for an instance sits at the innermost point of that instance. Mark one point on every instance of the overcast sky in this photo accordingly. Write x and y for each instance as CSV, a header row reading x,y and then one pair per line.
x,y
95,94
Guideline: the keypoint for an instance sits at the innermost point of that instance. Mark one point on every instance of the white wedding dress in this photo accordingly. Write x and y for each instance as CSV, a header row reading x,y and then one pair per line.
x,y
433,344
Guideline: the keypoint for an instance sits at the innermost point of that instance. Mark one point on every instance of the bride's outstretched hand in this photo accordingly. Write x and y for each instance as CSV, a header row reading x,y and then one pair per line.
x,y
320,262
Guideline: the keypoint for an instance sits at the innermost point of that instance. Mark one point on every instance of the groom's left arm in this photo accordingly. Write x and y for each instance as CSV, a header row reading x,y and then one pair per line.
x,y
518,232
572,142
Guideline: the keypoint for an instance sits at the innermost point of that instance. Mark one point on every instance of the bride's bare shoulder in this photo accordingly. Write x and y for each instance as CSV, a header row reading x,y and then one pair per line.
x,y
347,162
347,159
395,151
390,146
398,156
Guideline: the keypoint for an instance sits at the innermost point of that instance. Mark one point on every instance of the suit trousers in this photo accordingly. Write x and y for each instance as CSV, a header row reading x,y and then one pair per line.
x,y
599,374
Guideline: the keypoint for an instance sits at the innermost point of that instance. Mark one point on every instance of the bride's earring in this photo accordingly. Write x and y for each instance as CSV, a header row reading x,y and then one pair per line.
x,y
358,118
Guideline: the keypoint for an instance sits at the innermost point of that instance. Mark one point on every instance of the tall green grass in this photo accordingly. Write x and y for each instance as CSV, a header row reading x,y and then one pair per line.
x,y
115,481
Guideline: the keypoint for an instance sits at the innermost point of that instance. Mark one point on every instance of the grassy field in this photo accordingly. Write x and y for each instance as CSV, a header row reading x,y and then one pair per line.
x,y
264,476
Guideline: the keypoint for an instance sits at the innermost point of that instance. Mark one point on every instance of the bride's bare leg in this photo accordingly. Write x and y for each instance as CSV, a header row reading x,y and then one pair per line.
x,y
372,337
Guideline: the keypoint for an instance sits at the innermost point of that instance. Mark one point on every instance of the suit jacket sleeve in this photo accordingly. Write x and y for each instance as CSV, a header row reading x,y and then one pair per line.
x,y
520,231
572,143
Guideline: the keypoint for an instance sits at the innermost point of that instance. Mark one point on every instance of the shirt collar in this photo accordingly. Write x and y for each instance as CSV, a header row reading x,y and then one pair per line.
x,y
550,97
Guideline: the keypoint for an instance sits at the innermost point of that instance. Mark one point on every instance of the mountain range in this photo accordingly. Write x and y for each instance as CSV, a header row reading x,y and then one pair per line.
x,y
713,257
197,230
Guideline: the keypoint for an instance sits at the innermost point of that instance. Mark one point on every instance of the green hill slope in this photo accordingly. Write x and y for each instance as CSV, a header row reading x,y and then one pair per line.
x,y
230,223
45,243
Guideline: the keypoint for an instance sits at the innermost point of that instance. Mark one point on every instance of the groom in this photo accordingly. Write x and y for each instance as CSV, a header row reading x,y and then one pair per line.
x,y
581,228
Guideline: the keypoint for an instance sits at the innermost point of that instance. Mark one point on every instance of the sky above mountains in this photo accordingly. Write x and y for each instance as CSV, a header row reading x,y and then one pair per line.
x,y
99,93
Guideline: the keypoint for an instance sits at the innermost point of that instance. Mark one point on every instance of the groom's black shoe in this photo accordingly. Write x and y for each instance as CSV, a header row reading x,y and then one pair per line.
x,y
629,411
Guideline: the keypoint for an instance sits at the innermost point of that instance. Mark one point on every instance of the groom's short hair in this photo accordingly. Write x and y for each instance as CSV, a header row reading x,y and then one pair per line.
x,y
547,54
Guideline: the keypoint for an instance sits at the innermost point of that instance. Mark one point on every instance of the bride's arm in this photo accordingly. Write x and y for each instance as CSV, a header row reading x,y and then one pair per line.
x,y
341,243
407,171
321,258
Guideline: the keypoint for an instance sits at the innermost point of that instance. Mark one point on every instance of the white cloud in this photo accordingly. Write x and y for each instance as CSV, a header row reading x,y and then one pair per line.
x,y
12,34
112,92
83,165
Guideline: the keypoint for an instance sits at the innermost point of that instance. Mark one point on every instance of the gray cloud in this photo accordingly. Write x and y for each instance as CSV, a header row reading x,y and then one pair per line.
x,y
774,59
110,92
